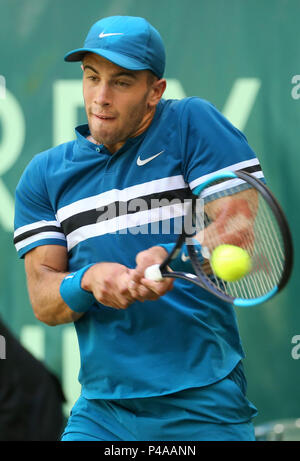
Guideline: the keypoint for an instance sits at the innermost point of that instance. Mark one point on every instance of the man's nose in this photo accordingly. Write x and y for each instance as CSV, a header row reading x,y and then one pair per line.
x,y
103,94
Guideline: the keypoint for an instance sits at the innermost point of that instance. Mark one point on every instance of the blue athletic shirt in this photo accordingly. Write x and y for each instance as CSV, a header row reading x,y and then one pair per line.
x,y
80,196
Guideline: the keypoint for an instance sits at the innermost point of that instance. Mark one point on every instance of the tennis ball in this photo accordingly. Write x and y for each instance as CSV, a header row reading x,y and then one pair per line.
x,y
230,262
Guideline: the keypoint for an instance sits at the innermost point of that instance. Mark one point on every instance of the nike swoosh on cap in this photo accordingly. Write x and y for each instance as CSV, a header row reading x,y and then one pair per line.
x,y
141,162
102,35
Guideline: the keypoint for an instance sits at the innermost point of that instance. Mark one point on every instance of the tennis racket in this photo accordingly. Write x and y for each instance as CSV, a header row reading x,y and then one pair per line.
x,y
233,208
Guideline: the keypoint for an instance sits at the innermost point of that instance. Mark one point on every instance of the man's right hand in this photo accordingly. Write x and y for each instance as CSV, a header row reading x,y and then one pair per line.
x,y
109,284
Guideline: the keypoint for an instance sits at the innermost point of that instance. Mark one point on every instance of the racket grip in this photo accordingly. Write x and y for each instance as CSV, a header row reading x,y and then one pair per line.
x,y
153,273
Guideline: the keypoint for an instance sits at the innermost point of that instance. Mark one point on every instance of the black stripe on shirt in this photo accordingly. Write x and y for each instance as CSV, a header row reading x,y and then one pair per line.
x,y
119,208
36,231
251,169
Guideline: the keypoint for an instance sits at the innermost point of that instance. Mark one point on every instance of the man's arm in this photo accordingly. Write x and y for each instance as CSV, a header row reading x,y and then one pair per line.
x,y
110,283
46,266
232,223
233,219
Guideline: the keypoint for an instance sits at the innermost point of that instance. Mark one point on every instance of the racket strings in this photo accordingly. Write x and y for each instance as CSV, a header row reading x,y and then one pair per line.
x,y
251,226
269,246
267,261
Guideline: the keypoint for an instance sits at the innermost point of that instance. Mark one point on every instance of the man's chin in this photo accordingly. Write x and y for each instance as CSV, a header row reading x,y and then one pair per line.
x,y
100,138
104,137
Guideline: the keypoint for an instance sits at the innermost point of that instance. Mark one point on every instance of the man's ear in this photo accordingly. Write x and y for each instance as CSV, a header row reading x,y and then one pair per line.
x,y
157,90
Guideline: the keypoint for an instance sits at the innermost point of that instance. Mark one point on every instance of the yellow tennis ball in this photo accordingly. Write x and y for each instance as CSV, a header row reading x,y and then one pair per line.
x,y
230,262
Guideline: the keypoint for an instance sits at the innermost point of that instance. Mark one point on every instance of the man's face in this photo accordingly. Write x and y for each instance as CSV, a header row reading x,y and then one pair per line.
x,y
118,102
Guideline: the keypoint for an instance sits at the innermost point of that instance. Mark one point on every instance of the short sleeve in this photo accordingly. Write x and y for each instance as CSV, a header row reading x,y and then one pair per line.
x,y
35,220
211,144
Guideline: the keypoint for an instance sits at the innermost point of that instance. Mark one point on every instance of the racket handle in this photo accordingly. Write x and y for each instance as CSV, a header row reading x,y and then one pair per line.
x,y
153,273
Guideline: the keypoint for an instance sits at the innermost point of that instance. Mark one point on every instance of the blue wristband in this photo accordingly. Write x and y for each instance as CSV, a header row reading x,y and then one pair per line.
x,y
78,299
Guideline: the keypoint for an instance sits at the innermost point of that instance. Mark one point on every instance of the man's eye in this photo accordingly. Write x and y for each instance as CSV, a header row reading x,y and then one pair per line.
x,y
92,78
122,83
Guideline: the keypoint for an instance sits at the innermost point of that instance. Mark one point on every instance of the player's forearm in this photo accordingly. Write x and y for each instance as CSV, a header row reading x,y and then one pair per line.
x,y
47,303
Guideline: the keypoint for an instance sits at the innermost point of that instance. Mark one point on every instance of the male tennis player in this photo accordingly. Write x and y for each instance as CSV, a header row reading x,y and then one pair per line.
x,y
159,360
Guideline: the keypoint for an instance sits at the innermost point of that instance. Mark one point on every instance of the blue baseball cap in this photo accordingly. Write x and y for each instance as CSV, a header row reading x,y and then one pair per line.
x,y
130,42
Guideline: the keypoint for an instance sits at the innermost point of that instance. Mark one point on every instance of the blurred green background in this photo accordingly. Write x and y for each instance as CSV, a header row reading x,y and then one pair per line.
x,y
244,57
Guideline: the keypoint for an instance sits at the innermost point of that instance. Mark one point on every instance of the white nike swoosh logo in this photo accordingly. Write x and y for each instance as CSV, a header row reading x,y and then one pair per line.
x,y
102,35
184,258
141,162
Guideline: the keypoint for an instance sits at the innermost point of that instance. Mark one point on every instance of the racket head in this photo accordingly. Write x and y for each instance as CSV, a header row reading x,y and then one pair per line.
x,y
251,218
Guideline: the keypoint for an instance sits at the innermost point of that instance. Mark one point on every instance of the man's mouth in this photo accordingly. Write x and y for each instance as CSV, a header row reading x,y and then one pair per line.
x,y
104,117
